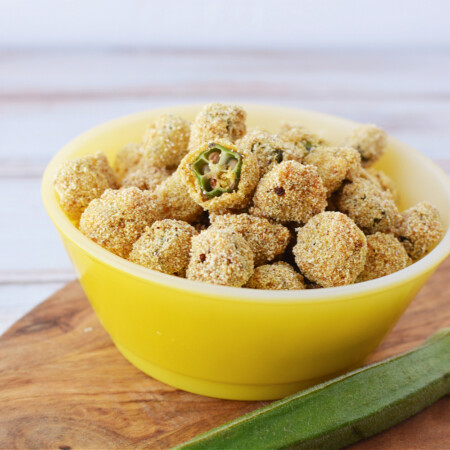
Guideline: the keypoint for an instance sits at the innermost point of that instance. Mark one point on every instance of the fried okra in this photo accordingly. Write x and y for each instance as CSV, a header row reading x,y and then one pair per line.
x,y
118,218
331,250
419,229
334,164
290,192
164,246
146,176
165,141
267,240
370,141
277,276
302,139
385,255
219,176
383,181
371,208
127,159
220,257
217,121
175,201
81,180
269,150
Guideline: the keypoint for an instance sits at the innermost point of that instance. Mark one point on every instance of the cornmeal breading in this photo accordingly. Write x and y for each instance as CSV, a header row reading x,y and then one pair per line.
x,y
81,180
331,250
220,257
277,276
164,246
385,255
290,192
419,229
117,219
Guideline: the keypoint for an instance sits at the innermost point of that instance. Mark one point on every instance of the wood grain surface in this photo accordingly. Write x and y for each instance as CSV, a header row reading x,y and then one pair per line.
x,y
64,385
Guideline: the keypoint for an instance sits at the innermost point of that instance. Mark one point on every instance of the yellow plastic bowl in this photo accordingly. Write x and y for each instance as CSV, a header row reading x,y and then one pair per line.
x,y
240,343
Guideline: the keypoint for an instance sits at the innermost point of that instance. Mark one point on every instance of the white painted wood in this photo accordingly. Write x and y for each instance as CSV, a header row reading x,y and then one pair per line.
x,y
226,23
31,250
405,92
33,132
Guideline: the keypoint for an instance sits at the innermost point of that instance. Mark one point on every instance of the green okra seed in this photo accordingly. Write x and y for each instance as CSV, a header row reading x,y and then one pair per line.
x,y
342,411
218,170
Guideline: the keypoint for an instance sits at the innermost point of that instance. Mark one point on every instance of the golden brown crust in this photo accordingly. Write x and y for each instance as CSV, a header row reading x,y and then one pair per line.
x,y
267,240
419,229
277,276
335,164
118,218
382,181
217,121
220,257
269,149
145,176
175,201
290,192
385,255
164,246
127,159
300,137
165,141
331,250
245,198
82,180
237,199
370,141
371,208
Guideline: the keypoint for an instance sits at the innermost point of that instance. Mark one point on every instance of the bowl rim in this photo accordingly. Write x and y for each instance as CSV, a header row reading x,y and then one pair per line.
x,y
67,228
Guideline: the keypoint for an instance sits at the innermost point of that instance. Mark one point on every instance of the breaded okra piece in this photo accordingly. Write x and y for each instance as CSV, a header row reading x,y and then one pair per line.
x,y
82,180
267,240
219,176
382,180
331,250
217,121
220,257
290,192
175,201
164,246
300,137
145,176
127,159
370,141
419,229
277,276
335,164
117,219
385,255
165,141
269,149
371,208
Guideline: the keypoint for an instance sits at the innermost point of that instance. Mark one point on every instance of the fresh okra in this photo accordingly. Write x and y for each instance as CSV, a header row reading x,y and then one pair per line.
x,y
342,411
218,170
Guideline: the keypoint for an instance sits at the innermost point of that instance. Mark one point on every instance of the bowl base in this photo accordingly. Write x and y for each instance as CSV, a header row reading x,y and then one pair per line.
x,y
228,391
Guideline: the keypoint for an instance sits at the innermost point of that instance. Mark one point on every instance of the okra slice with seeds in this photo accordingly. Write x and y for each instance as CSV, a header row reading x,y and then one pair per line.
x,y
218,170
345,410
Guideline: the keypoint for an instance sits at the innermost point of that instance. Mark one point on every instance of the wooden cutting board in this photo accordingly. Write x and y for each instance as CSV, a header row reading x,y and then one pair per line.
x,y
63,384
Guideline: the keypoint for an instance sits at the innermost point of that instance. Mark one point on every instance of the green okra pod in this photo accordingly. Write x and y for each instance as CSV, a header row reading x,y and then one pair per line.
x,y
342,411
218,170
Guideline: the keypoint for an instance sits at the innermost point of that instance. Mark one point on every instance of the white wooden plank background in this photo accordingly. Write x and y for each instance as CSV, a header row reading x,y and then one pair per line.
x,y
224,23
48,97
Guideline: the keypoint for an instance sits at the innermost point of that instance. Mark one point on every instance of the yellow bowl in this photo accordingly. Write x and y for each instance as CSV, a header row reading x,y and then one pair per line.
x,y
240,343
